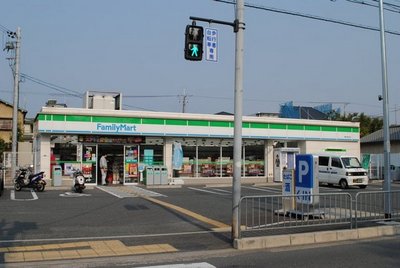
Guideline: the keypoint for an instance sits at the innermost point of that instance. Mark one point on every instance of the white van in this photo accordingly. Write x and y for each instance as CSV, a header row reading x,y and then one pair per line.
x,y
342,170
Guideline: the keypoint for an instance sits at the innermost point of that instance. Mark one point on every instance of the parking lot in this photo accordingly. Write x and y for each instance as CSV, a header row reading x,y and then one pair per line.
x,y
186,218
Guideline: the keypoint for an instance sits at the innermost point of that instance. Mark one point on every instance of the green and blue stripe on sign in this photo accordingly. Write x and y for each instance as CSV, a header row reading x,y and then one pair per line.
x,y
190,122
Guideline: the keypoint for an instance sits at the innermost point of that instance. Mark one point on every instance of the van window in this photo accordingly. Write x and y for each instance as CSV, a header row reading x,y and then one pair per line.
x,y
351,162
336,162
323,161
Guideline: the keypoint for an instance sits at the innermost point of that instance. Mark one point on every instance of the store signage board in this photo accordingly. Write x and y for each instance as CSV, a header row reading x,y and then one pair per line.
x,y
211,40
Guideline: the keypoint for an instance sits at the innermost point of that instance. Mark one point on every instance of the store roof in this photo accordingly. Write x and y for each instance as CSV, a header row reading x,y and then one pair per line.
x,y
377,136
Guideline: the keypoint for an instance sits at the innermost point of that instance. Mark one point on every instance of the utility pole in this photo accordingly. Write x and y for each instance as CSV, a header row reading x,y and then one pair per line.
x,y
15,103
238,109
386,135
184,100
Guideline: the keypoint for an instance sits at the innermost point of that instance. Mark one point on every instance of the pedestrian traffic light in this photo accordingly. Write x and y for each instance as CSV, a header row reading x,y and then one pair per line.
x,y
194,42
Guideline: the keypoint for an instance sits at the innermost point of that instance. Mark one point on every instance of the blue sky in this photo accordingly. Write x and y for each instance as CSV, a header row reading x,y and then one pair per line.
x,y
136,47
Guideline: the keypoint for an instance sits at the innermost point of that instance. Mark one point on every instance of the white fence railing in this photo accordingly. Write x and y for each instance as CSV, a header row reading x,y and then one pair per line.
x,y
268,212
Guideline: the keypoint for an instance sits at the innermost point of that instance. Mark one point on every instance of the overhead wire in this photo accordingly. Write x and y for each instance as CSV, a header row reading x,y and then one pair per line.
x,y
64,90
387,6
308,16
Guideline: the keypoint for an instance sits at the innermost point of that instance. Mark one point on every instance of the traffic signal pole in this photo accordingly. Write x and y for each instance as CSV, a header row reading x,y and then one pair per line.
x,y
386,134
237,142
238,28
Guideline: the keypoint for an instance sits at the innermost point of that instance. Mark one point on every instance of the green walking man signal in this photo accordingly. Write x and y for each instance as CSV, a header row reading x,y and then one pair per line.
x,y
194,42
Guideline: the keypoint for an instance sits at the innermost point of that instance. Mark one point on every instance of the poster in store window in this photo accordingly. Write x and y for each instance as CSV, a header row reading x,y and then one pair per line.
x,y
177,159
131,163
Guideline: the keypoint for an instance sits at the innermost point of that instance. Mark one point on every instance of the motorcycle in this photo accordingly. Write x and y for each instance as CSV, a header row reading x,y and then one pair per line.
x,y
26,178
78,180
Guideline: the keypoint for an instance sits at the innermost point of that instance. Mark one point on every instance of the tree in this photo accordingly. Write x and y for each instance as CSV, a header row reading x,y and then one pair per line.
x,y
368,124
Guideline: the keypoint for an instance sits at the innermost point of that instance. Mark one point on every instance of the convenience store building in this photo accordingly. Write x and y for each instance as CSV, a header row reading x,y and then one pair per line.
x,y
194,148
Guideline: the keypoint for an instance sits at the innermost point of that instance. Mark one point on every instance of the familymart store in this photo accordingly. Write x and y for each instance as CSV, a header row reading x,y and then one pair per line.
x,y
194,148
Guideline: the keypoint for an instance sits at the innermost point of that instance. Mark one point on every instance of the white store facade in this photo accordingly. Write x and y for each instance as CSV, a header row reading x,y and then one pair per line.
x,y
134,140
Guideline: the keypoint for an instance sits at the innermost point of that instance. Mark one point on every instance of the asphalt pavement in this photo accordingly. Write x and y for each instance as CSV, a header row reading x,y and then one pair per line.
x,y
120,221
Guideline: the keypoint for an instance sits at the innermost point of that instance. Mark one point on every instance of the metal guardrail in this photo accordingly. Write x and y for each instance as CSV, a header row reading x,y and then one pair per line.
x,y
370,206
266,212
286,211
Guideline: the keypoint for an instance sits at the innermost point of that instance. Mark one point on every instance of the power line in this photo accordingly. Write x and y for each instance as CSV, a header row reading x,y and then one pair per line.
x,y
150,96
64,90
389,7
308,16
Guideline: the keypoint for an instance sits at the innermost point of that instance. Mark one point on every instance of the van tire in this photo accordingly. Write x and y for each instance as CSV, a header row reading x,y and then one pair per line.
x,y
343,184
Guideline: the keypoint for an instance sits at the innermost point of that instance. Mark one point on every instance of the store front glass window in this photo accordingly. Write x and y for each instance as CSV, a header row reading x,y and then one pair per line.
x,y
209,153
227,161
151,154
63,152
214,158
254,159
189,163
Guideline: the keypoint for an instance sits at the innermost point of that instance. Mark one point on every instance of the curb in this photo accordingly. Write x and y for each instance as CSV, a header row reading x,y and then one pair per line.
x,y
275,241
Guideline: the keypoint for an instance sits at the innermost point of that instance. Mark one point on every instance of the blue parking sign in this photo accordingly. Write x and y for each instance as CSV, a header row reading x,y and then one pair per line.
x,y
306,184
304,170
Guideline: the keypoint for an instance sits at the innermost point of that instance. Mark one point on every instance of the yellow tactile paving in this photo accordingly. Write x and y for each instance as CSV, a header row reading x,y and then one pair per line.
x,y
69,254
51,255
14,257
33,256
168,247
138,250
89,249
188,212
33,248
87,253
2,250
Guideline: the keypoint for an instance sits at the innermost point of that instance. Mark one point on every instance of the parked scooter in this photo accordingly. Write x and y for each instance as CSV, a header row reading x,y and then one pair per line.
x,y
78,180
25,177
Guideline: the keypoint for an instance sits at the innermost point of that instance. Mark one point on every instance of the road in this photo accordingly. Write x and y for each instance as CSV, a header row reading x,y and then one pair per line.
x,y
187,219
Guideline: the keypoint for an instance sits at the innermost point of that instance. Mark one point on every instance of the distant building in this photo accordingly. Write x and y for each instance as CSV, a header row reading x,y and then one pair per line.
x,y
223,113
265,114
6,118
287,110
373,143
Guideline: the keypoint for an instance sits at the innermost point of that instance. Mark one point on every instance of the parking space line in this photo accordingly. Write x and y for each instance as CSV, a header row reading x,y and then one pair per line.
x,y
206,191
34,195
220,190
263,189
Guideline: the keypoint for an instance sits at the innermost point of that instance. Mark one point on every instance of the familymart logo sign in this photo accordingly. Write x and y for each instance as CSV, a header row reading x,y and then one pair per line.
x,y
116,128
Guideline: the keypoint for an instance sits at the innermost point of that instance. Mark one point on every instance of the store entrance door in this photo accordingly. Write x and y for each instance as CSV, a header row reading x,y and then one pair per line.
x,y
115,163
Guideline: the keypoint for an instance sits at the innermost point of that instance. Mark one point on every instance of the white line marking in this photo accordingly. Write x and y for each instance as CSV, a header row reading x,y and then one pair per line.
x,y
109,192
71,194
220,190
202,190
264,189
34,195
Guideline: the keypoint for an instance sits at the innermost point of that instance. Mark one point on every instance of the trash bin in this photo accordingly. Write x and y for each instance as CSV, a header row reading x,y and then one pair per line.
x,y
149,178
57,175
164,175
157,175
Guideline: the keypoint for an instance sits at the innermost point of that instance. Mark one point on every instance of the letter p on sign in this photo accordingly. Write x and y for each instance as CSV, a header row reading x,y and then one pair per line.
x,y
303,170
